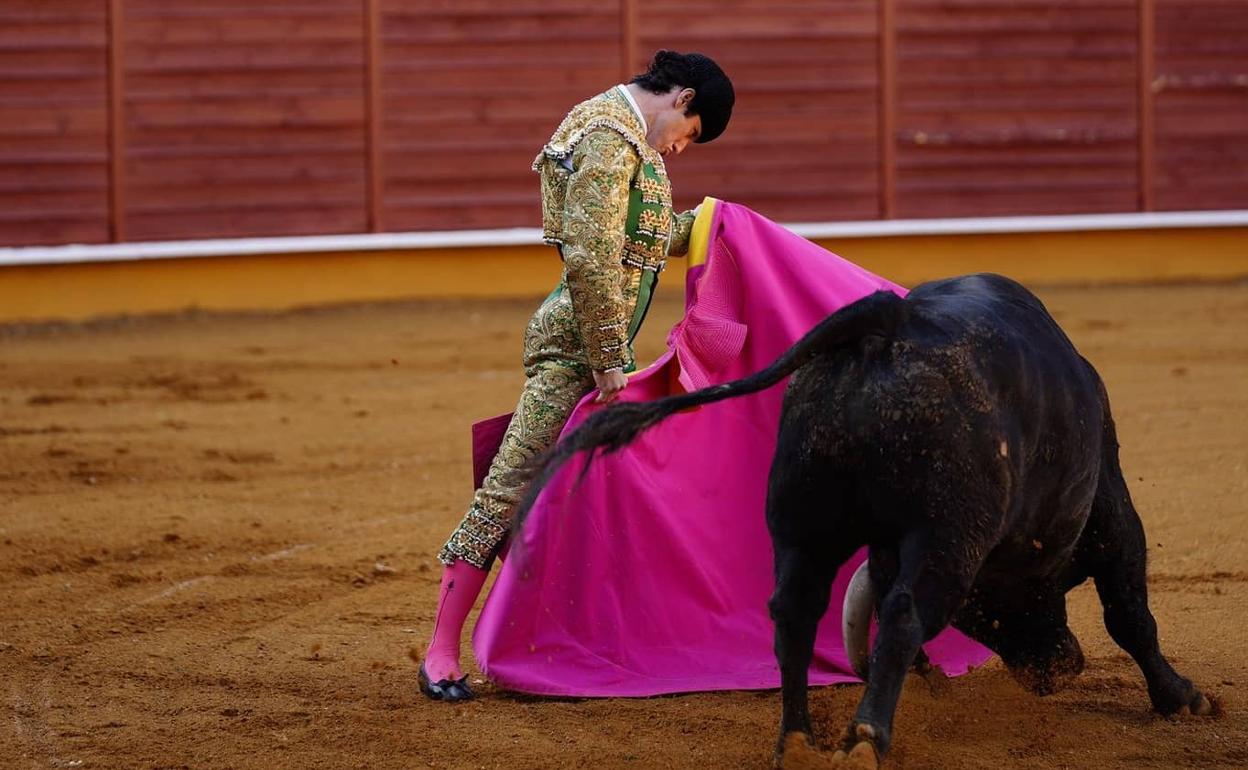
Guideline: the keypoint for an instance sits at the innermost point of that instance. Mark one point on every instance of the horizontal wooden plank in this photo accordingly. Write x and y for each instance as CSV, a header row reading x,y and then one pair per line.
x,y
223,168
1005,159
245,194
243,223
167,85
232,57
89,228
208,9
187,140
279,112
25,174
238,30
55,200
51,34
33,11
1007,203
58,62
490,8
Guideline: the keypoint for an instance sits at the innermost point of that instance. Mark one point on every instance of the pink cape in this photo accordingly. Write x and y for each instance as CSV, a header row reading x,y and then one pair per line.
x,y
651,575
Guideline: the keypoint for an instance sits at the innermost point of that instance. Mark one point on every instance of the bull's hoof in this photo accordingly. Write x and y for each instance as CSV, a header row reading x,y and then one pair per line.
x,y
796,752
860,757
1200,706
799,754
1187,701
860,752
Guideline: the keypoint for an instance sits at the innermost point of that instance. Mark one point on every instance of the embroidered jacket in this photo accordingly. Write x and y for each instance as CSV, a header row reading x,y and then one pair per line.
x,y
611,215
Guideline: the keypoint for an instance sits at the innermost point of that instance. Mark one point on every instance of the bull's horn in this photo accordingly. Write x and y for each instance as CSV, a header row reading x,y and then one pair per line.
x,y
856,620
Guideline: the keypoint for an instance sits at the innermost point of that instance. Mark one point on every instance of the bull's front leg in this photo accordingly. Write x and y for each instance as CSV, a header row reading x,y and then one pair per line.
x,y
1113,546
1123,589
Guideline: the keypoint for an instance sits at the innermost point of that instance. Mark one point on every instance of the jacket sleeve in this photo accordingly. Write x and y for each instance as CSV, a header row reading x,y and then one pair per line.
x,y
682,226
594,218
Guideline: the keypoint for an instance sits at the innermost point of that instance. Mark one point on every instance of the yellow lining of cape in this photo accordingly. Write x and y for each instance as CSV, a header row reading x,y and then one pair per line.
x,y
700,235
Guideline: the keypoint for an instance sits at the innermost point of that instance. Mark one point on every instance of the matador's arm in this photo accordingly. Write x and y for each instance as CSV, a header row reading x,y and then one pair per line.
x,y
594,218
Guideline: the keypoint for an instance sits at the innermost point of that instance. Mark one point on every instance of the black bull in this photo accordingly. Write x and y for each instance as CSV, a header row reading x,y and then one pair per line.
x,y
960,436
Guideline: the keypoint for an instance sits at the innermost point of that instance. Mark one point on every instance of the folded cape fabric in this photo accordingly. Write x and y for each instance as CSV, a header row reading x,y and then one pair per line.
x,y
651,573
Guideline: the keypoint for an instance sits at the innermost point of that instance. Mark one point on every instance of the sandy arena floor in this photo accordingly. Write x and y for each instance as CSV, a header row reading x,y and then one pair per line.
x,y
217,540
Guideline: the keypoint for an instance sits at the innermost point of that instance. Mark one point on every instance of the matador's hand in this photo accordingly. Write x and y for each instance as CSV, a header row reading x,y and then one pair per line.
x,y
610,383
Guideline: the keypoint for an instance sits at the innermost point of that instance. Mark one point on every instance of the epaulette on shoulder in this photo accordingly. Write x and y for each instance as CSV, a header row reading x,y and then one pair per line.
x,y
600,112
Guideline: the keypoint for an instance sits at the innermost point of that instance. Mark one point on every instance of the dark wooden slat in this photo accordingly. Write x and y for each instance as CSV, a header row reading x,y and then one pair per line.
x,y
116,121
1147,121
372,37
888,109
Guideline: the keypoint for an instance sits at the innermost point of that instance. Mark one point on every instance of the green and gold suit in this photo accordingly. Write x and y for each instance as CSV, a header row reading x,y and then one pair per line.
x,y
607,206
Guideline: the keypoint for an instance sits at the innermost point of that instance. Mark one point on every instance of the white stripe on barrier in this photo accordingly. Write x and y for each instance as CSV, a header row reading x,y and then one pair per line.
x,y
531,236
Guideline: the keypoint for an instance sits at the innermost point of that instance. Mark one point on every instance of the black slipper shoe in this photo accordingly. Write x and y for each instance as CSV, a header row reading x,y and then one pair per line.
x,y
450,690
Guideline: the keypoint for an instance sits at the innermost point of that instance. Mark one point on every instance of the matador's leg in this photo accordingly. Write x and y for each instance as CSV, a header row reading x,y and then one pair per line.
x,y
551,392
557,379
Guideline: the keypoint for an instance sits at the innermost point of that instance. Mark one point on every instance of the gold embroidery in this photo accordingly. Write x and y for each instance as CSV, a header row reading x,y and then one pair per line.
x,y
649,222
551,391
583,324
653,191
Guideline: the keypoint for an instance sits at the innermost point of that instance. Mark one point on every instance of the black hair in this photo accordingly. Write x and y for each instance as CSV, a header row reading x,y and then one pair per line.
x,y
713,95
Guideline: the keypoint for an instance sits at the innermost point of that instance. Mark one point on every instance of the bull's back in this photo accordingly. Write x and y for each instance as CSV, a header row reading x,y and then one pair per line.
x,y
977,399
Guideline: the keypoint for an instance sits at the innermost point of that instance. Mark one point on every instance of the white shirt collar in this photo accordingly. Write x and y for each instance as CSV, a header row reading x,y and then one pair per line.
x,y
645,128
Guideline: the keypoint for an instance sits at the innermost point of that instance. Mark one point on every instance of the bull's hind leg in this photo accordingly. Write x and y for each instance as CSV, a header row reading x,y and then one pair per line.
x,y
811,537
1113,548
804,575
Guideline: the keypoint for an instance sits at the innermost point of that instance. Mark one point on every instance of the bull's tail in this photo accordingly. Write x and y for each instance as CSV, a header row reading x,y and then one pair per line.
x,y
619,424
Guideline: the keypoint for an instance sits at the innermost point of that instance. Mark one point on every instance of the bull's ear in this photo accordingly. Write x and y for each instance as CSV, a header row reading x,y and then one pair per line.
x,y
856,621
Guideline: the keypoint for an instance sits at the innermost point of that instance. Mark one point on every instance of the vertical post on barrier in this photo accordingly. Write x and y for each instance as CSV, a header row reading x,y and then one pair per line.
x,y
628,39
116,124
1147,54
372,113
887,116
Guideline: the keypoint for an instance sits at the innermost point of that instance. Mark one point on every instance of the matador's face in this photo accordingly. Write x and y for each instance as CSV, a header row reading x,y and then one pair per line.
x,y
671,131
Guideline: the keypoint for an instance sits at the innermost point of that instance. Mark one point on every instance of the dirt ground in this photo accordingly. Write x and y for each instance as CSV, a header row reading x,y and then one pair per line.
x,y
217,540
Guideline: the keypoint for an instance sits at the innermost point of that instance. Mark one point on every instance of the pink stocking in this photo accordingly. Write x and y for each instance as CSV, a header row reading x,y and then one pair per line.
x,y
461,584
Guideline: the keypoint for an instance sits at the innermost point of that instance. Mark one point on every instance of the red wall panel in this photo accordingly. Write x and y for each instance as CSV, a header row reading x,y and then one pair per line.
x,y
244,118
1201,88
470,92
803,142
1016,107
53,122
